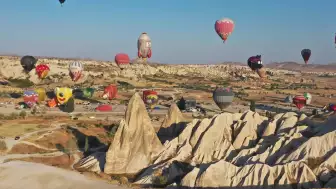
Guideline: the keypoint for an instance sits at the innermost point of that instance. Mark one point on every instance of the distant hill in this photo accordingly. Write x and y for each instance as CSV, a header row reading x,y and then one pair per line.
x,y
294,66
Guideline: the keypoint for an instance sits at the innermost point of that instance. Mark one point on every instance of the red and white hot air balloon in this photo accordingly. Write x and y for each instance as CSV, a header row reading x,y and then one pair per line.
x,y
42,70
224,28
76,70
144,46
122,60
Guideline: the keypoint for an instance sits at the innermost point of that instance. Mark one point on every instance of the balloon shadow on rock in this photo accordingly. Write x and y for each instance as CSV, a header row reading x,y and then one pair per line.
x,y
171,132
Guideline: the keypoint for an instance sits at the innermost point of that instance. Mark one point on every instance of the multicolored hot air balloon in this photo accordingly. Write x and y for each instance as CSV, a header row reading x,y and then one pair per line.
x,y
110,92
255,63
299,101
144,46
308,97
63,94
42,70
305,53
150,97
28,63
223,97
30,97
62,1
76,70
332,107
224,28
41,92
122,60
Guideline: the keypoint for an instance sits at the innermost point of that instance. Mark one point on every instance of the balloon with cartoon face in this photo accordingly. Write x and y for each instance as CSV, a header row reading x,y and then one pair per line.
x,y
63,94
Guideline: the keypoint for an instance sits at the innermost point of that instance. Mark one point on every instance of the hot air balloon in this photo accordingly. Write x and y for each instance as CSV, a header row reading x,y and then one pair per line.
x,y
88,92
62,1
289,99
255,63
110,92
41,92
224,28
150,97
305,53
63,94
28,63
332,107
42,70
299,101
122,60
223,97
104,108
308,97
76,70
30,97
144,46
335,40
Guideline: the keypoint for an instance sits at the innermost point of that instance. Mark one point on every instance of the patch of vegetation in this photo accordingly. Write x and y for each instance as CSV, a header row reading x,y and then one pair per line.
x,y
158,80
23,114
21,83
200,87
125,85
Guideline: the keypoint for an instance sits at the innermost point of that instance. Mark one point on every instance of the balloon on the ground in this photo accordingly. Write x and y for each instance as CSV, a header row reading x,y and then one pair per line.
x,y
110,92
255,63
305,53
299,101
122,60
63,94
104,108
69,106
332,107
150,97
42,70
41,92
76,70
288,99
223,97
88,92
308,97
144,46
28,63
30,97
224,28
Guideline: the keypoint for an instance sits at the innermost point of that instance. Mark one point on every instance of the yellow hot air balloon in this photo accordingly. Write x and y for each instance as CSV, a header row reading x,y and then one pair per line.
x,y
41,94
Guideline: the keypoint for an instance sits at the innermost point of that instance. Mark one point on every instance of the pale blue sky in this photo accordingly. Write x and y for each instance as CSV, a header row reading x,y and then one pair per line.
x,y
182,31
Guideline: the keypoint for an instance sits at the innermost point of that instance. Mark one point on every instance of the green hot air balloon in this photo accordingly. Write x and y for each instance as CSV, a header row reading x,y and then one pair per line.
x,y
223,97
308,97
88,92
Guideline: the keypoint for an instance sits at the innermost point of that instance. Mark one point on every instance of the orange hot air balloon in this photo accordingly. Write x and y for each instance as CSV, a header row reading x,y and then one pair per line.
x,y
42,70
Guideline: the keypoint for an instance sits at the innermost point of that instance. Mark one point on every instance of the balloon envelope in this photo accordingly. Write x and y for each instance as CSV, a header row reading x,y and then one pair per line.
x,y
144,46
288,99
75,70
255,63
332,107
30,97
41,92
150,97
28,63
305,53
104,108
110,92
308,97
299,101
42,70
223,97
122,60
224,28
88,92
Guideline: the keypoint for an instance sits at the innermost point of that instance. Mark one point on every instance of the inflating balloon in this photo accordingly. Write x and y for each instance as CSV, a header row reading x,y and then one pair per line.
x,y
104,108
42,70
41,92
150,97
28,63
255,63
305,53
308,97
224,28
144,46
299,101
110,92
223,97
30,97
63,94
122,60
76,70
88,92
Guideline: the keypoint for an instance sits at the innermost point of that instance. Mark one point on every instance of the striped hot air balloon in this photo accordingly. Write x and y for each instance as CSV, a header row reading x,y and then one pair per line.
x,y
224,28
223,97
76,70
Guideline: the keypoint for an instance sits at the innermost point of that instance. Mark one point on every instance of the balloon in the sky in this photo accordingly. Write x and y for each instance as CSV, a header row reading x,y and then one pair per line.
x,y
332,107
76,70
335,40
122,60
305,53
41,92
110,92
299,101
42,70
223,97
30,97
150,97
255,63
224,28
28,63
61,1
144,46
308,97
